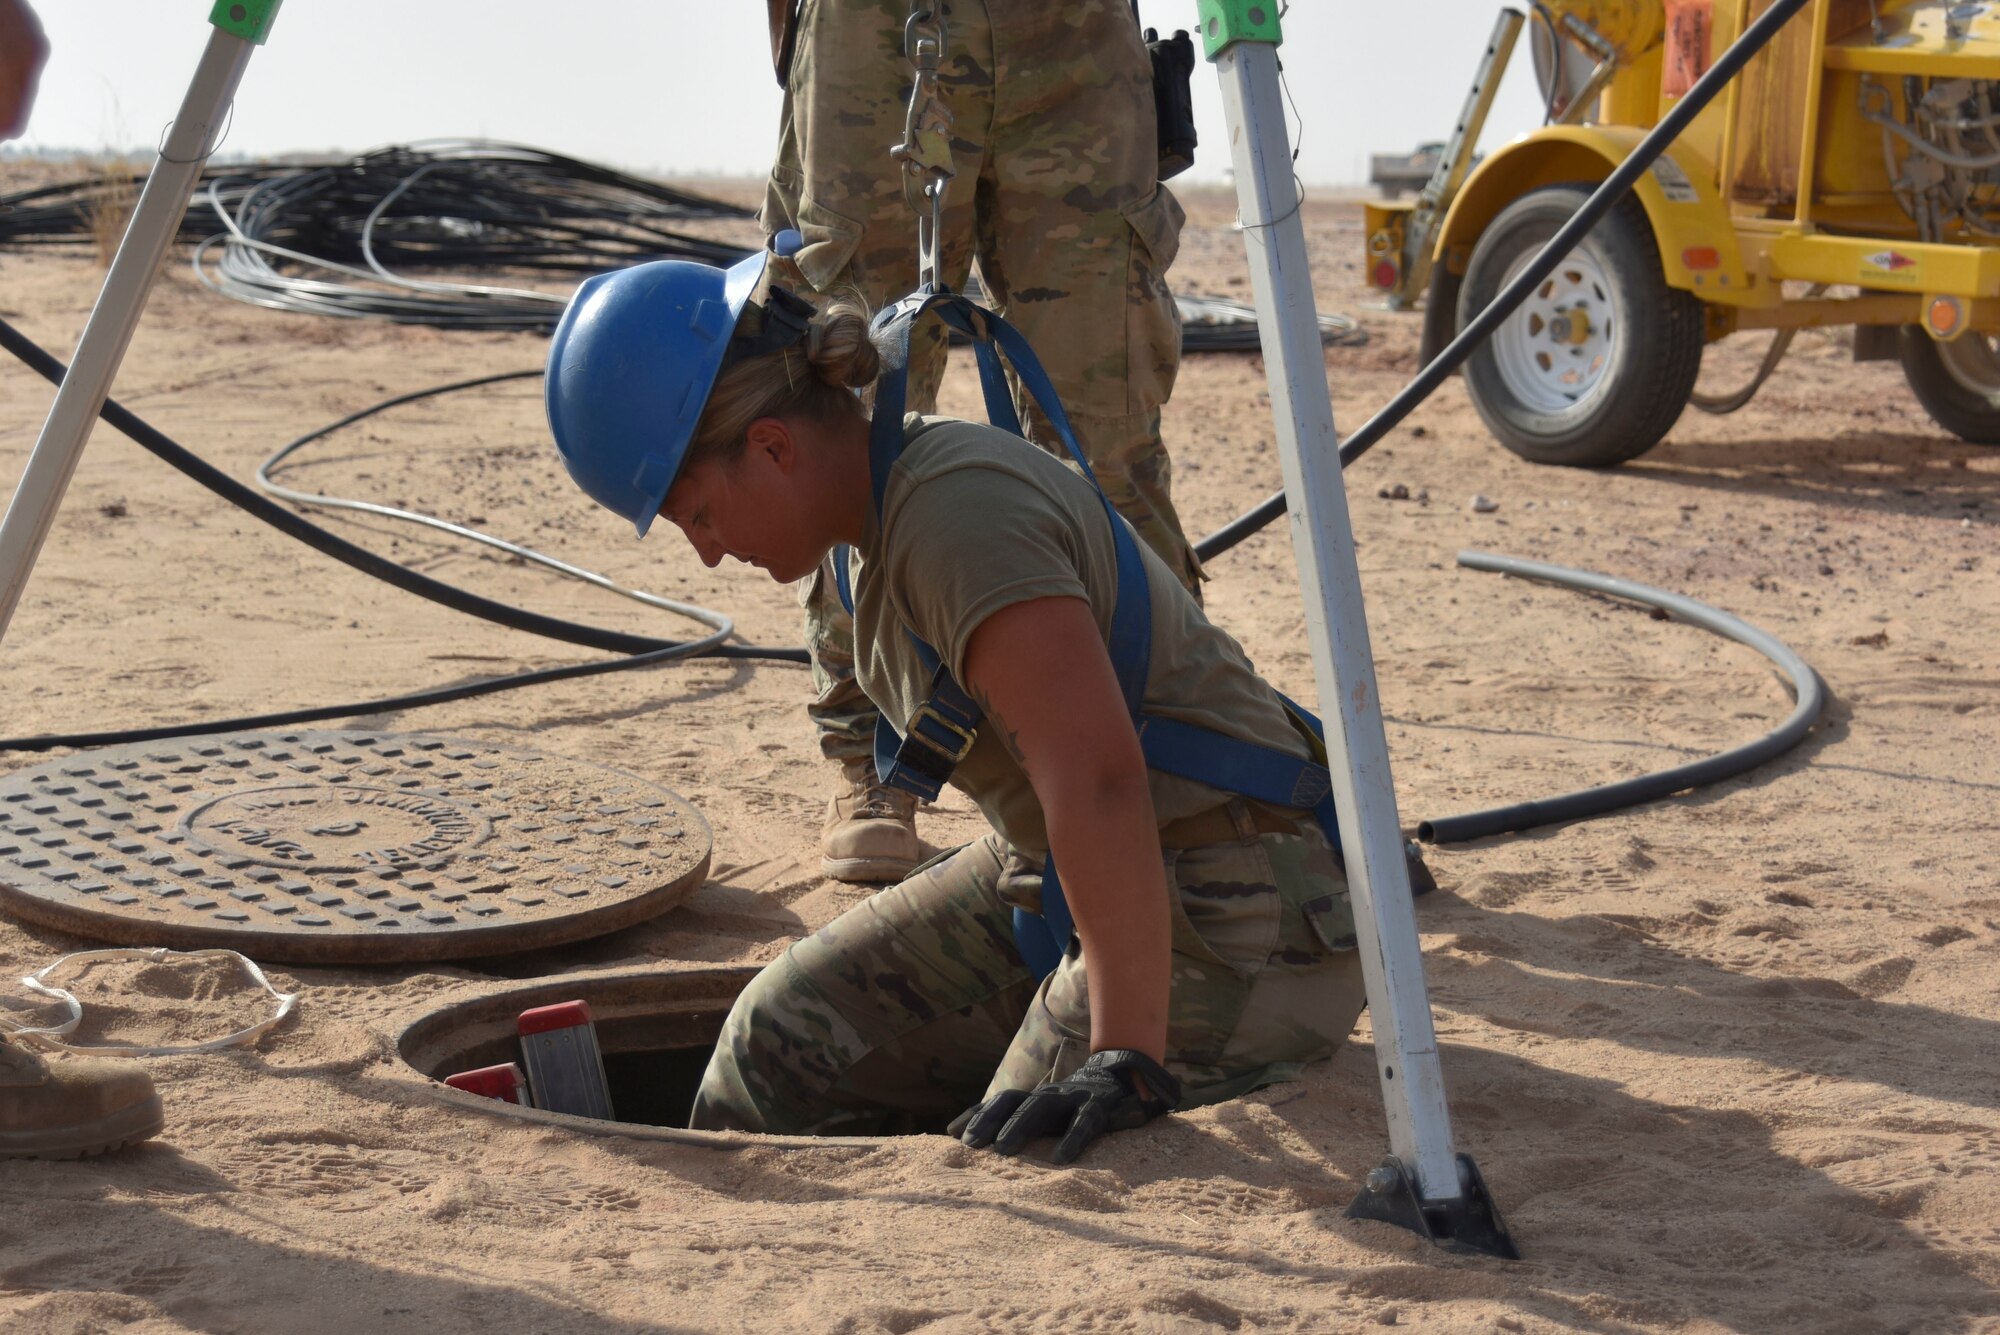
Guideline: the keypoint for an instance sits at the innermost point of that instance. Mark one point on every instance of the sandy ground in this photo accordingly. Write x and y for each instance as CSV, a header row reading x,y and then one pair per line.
x,y
1730,1062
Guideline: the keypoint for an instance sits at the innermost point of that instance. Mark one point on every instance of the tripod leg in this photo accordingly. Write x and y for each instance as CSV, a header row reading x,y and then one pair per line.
x,y
155,223
1442,1191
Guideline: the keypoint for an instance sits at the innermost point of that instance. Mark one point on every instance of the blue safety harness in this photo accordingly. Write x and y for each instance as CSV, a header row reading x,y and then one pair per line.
x,y
942,731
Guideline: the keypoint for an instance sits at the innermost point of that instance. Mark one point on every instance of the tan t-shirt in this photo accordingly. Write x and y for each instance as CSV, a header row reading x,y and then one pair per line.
x,y
976,519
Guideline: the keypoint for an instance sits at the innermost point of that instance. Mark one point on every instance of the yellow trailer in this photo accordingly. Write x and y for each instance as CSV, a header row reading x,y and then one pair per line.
x,y
1856,158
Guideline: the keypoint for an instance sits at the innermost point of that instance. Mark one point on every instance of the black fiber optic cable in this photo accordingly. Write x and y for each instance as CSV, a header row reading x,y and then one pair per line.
x,y
1482,325
1808,695
459,600
643,650
290,718
481,205
1583,805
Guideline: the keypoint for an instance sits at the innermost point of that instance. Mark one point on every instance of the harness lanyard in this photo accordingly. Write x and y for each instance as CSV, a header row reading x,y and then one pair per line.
x,y
925,152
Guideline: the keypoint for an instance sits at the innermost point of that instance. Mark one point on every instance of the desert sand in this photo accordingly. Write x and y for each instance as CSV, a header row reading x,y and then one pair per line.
x,y
1729,1062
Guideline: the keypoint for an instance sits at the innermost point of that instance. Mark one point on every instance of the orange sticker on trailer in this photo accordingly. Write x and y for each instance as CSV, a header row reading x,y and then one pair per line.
x,y
1690,40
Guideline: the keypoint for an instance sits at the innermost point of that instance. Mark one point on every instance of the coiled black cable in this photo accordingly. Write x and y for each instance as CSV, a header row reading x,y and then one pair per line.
x,y
414,700
334,238
465,204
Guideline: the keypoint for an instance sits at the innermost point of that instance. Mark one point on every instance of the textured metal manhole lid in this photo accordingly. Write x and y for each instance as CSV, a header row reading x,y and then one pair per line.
x,y
341,847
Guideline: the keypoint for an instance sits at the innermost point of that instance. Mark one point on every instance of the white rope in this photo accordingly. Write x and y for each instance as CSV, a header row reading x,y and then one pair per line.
x,y
51,1037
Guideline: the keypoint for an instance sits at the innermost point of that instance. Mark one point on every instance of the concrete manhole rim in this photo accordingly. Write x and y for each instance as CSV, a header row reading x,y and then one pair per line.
x,y
460,1005
84,851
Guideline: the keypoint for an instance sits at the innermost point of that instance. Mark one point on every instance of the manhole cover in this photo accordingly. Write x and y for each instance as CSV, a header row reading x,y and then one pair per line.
x,y
341,847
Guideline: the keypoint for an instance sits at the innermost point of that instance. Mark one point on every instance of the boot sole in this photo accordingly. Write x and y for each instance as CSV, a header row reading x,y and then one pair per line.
x,y
127,1126
866,871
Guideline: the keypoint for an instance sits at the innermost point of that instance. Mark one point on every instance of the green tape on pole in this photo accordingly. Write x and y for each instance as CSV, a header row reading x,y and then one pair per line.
x,y
1226,22
249,19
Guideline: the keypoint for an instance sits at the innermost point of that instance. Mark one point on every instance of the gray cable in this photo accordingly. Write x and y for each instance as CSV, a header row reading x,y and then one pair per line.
x,y
244,273
722,627
1807,692
1720,404
474,290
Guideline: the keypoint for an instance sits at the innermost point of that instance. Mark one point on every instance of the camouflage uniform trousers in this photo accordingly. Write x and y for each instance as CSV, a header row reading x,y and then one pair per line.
x,y
915,1004
1056,195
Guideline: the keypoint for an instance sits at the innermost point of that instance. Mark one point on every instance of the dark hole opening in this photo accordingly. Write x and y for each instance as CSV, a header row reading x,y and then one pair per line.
x,y
658,1087
655,1088
655,1032
653,1064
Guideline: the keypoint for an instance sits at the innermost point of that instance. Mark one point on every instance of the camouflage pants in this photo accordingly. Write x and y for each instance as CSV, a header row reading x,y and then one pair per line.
x,y
1056,196
915,1004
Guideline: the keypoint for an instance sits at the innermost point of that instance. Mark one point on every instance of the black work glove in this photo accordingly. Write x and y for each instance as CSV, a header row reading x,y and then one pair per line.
x,y
1099,1097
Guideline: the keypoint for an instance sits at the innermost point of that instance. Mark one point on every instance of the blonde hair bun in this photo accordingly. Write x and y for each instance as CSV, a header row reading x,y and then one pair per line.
x,y
839,348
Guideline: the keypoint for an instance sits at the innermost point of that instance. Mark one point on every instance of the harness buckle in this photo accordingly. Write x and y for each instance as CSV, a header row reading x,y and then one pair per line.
x,y
918,731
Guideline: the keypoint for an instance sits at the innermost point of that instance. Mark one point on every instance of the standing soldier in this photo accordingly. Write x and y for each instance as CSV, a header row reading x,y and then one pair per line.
x,y
1057,194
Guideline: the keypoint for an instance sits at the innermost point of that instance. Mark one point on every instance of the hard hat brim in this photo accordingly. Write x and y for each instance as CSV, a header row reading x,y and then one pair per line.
x,y
631,365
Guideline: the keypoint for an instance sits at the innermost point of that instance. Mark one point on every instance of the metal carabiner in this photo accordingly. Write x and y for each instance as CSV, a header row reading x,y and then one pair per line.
x,y
923,22
930,238
925,150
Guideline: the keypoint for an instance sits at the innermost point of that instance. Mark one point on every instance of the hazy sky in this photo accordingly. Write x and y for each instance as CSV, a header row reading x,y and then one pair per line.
x,y
671,86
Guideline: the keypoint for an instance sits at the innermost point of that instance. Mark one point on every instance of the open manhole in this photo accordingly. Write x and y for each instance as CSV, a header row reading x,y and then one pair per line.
x,y
656,1029
341,847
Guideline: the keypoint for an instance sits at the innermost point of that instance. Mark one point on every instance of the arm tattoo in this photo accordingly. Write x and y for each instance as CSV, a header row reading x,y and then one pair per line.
x,y
1009,738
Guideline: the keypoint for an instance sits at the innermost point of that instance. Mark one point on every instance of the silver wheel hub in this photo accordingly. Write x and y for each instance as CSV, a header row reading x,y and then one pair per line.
x,y
1554,352
1972,361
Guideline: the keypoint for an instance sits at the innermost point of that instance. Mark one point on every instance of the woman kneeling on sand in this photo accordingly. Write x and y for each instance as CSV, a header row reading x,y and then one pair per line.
x,y
1213,950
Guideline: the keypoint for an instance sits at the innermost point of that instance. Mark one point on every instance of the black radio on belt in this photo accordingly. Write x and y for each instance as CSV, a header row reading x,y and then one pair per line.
x,y
1173,96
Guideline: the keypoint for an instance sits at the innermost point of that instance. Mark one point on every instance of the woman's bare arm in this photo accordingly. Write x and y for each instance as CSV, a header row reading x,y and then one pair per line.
x,y
1041,672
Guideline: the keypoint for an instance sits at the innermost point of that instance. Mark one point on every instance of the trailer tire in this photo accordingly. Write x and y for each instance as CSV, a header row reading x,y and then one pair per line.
x,y
1589,397
1440,314
1951,395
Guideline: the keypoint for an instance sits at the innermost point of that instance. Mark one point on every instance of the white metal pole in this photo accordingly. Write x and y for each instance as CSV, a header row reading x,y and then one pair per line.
x,y
155,222
1378,878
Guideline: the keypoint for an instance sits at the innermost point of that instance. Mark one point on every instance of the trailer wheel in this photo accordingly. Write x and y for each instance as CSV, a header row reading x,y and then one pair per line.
x,y
1956,382
1595,366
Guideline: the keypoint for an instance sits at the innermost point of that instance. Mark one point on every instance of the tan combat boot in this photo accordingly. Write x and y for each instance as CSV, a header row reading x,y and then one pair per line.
x,y
59,1110
871,829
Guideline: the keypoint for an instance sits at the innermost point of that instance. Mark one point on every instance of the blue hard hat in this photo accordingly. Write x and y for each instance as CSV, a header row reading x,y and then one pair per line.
x,y
630,368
